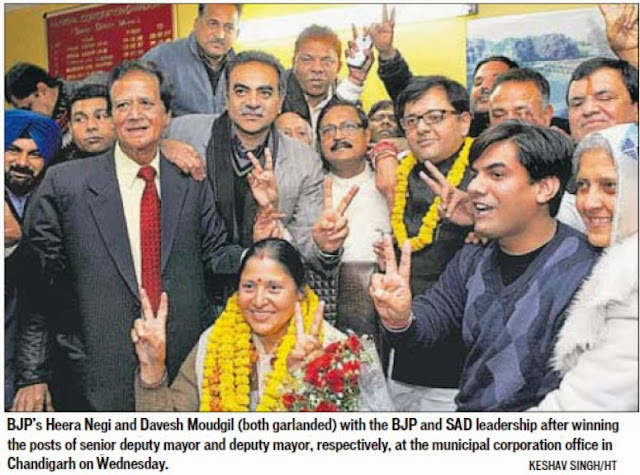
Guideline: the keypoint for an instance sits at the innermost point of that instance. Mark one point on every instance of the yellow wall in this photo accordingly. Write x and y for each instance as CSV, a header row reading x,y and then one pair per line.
x,y
429,47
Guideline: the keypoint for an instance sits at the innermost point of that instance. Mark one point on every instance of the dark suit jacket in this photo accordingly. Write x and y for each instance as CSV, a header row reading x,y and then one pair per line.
x,y
77,226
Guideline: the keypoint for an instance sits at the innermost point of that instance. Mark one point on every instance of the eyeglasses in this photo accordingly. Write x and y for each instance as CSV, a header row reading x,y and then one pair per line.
x,y
381,117
431,117
347,128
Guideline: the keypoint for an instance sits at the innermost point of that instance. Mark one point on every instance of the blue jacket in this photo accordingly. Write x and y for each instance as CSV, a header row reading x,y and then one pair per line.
x,y
192,91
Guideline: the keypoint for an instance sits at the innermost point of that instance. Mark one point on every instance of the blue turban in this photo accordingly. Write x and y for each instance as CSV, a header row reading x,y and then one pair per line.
x,y
43,130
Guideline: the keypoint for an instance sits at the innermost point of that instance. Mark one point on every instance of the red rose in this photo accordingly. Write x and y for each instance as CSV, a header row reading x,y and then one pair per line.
x,y
312,376
335,378
353,344
288,400
326,407
352,366
332,348
323,362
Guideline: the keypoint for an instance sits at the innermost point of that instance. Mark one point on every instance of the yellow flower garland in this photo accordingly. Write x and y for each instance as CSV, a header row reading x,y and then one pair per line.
x,y
226,384
431,218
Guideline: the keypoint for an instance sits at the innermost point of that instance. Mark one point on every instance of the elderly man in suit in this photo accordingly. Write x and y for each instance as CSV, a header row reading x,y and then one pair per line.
x,y
252,166
106,226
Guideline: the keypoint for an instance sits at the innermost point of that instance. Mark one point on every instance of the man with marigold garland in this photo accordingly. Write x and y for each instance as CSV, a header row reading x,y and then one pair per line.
x,y
433,112
507,300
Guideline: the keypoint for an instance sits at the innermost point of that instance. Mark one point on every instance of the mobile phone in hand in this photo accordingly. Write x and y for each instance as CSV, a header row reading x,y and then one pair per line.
x,y
359,58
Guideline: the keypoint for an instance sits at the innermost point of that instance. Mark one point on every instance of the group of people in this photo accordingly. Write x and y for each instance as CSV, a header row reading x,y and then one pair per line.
x,y
167,224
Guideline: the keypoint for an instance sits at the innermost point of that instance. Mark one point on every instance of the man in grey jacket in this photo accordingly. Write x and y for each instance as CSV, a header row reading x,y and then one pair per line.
x,y
196,64
252,167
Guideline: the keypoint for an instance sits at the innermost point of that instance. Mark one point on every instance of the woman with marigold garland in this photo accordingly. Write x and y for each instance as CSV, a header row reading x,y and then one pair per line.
x,y
269,343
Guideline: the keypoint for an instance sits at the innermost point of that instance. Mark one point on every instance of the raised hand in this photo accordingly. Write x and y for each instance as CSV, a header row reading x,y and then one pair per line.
x,y
262,181
382,34
268,224
149,335
358,75
185,157
332,228
454,204
308,345
621,21
12,229
390,291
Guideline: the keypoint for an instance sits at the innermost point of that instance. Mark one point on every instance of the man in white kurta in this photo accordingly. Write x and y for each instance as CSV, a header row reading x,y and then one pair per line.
x,y
343,133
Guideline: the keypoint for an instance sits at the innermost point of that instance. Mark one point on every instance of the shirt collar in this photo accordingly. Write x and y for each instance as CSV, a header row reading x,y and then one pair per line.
x,y
322,103
360,178
127,169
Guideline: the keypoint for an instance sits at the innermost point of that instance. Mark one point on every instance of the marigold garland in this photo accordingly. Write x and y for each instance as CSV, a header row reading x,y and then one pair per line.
x,y
431,218
226,384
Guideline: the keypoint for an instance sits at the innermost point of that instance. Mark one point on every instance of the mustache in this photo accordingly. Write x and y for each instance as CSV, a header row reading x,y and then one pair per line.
x,y
340,143
247,110
21,169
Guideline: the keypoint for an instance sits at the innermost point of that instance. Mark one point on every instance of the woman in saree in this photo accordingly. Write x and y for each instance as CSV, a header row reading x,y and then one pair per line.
x,y
262,345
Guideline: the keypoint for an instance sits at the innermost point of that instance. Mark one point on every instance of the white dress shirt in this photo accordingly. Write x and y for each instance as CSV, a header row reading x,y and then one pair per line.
x,y
131,189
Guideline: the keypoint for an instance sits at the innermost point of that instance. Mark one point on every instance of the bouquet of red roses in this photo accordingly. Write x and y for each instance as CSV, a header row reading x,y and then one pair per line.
x,y
330,383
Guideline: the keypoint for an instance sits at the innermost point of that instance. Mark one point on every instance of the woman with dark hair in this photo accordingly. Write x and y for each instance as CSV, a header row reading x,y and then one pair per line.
x,y
269,339
597,348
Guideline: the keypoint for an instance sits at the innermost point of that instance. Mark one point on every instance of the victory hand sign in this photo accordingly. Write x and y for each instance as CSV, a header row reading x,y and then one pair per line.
x,y
308,345
331,229
391,292
382,34
621,21
262,181
150,338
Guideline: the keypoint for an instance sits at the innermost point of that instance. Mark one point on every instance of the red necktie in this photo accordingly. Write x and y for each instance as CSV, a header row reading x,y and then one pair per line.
x,y
150,237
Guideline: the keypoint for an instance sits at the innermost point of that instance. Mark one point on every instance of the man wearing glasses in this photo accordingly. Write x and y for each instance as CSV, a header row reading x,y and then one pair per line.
x,y
434,115
343,134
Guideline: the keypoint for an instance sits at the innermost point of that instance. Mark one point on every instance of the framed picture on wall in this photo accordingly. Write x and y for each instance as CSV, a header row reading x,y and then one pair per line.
x,y
552,43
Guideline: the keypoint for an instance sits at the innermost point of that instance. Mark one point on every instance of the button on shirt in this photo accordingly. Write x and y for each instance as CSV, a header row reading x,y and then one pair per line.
x,y
131,188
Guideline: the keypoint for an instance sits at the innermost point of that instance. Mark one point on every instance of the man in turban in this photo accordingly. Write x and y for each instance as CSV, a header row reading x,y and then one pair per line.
x,y
31,141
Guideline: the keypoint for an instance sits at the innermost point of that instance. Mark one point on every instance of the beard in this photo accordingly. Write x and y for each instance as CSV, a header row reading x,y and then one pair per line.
x,y
24,186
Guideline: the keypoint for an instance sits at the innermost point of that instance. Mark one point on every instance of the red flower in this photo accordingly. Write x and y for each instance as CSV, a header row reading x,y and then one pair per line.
x,y
335,378
289,400
332,348
322,362
352,366
325,406
353,344
312,375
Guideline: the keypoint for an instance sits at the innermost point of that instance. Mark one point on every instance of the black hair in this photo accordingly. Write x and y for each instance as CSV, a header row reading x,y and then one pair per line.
x,y
544,152
21,80
148,67
89,91
259,57
282,252
456,94
627,71
526,75
500,59
362,116
202,6
317,31
383,104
